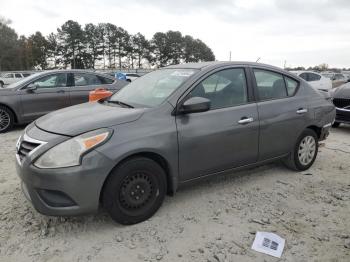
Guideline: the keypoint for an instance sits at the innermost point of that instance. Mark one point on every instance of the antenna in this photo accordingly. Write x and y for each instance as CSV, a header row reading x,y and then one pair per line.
x,y
257,60
230,57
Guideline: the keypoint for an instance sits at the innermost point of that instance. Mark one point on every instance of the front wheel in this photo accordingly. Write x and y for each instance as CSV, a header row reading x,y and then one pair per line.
x,y
1,84
134,191
6,119
304,152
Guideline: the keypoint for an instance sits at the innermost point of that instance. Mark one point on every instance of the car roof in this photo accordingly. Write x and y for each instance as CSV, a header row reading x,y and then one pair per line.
x,y
217,64
214,64
71,71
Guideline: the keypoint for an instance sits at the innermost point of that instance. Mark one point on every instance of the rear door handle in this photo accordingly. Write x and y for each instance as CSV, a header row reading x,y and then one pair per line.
x,y
301,111
245,120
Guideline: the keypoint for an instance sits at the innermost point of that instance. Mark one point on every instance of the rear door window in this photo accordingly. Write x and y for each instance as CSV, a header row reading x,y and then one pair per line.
x,y
82,79
105,80
270,85
18,75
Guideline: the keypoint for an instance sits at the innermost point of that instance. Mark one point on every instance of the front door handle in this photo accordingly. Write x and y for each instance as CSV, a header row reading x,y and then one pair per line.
x,y
301,111
245,120
61,91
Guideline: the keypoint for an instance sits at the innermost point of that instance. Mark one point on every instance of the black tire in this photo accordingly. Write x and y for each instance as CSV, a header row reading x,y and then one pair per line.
x,y
336,124
128,80
7,119
1,84
134,191
293,160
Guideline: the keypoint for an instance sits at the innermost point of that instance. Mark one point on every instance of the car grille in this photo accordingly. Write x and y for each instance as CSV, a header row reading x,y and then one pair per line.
x,y
341,102
27,146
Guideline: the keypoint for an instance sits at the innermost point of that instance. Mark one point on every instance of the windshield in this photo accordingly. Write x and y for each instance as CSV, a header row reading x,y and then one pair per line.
x,y
153,88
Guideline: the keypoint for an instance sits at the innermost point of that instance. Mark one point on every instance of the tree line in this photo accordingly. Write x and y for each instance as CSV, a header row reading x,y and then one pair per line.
x,y
91,46
318,68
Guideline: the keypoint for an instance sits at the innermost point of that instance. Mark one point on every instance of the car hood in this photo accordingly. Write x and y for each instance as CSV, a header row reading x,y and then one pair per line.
x,y
342,91
6,91
75,120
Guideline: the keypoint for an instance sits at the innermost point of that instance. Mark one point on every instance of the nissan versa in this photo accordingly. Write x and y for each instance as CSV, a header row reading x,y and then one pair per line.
x,y
171,126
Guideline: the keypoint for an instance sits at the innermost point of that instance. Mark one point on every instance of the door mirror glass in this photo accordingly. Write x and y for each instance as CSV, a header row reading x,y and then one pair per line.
x,y
195,105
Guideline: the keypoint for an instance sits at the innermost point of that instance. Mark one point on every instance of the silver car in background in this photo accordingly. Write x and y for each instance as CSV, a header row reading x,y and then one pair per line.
x,y
9,78
44,92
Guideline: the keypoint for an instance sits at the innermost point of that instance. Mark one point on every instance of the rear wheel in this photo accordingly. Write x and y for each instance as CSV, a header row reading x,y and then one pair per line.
x,y
6,119
304,152
336,124
134,191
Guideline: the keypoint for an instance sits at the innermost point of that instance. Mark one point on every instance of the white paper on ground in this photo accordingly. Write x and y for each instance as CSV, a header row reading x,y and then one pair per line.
x,y
268,243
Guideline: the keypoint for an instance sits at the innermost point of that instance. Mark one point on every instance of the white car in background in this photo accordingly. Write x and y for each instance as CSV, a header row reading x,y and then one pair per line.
x,y
316,80
11,77
337,79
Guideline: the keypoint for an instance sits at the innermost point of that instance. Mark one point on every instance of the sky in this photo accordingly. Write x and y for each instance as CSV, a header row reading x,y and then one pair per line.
x,y
292,32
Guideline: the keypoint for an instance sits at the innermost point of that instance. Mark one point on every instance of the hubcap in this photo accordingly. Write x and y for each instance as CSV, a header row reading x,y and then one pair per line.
x,y
307,150
4,120
136,191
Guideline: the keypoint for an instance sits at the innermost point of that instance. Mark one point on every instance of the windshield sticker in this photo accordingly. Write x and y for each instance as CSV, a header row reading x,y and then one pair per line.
x,y
182,73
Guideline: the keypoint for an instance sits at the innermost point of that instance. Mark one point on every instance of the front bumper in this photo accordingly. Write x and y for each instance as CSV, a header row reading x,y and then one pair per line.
x,y
325,131
342,115
64,191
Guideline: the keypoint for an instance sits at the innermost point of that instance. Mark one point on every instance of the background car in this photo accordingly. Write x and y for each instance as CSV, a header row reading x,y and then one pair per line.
x,y
125,76
316,80
131,76
43,92
341,100
10,78
339,79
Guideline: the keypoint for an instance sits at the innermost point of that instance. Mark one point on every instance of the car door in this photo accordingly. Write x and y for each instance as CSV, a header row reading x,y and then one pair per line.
x,y
224,137
49,93
83,83
282,112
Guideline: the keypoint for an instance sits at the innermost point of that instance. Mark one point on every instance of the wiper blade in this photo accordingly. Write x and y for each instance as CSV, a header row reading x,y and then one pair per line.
x,y
120,103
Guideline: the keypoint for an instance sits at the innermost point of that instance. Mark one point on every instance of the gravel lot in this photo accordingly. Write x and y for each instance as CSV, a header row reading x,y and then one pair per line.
x,y
214,220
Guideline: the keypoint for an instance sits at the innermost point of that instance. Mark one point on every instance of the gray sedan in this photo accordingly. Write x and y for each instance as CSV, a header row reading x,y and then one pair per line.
x,y
170,127
41,93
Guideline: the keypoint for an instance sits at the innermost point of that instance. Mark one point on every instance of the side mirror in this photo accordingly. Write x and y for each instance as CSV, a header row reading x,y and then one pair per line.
x,y
195,105
31,87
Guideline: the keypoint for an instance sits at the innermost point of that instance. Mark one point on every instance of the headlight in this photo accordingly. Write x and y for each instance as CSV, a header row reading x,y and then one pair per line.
x,y
69,153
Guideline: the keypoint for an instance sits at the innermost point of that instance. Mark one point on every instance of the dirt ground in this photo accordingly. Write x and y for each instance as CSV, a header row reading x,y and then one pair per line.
x,y
213,220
